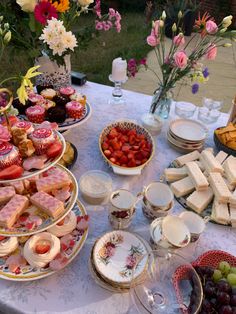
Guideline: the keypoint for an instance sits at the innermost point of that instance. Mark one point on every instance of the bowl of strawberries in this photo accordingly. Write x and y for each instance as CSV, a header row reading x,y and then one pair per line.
x,y
127,147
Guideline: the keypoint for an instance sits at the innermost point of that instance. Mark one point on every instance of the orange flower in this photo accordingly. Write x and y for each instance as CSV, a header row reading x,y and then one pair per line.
x,y
61,5
200,23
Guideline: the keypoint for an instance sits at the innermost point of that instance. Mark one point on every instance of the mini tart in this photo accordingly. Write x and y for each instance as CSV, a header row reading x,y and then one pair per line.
x,y
67,91
9,155
8,245
74,109
42,138
26,125
41,260
48,93
35,114
67,227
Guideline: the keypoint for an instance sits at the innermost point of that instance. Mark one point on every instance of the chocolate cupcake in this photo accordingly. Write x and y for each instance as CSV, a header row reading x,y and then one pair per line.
x,y
42,87
56,114
61,100
19,106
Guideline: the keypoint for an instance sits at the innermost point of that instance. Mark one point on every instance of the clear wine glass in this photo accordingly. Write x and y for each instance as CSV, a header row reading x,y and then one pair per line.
x,y
171,286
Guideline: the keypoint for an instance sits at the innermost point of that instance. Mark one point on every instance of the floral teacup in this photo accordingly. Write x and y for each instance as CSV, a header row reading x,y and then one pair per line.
x,y
158,199
122,208
169,232
195,224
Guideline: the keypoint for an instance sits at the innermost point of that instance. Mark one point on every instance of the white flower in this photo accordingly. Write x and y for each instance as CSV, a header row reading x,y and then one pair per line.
x,y
54,23
47,36
85,3
227,21
58,48
69,40
27,5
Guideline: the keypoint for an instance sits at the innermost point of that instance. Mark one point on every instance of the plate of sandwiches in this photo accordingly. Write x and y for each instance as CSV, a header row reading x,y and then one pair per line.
x,y
206,184
37,256
31,206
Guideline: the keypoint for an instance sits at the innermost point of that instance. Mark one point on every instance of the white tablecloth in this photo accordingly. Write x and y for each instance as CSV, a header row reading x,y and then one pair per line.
x,y
73,290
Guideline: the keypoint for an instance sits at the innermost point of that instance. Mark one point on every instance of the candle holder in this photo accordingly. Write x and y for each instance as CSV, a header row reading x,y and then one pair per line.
x,y
117,93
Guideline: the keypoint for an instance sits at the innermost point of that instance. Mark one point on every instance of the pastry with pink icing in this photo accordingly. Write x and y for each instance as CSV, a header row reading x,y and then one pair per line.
x,y
67,225
42,138
53,182
47,203
12,210
41,249
74,109
67,91
6,193
25,125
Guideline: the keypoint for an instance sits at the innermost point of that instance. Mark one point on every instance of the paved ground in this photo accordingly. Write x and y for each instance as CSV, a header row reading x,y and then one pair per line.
x,y
221,85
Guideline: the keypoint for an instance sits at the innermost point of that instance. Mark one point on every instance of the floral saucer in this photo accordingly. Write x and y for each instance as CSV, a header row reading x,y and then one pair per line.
x,y
68,252
117,253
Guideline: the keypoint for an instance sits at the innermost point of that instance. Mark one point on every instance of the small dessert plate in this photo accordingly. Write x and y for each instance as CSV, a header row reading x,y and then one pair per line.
x,y
29,273
25,225
117,253
189,130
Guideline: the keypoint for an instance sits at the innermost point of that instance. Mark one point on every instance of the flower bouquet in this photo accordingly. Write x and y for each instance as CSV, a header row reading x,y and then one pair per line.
x,y
180,61
43,29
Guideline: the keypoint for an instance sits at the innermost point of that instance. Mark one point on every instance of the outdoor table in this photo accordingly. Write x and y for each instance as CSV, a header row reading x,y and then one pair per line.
x,y
72,290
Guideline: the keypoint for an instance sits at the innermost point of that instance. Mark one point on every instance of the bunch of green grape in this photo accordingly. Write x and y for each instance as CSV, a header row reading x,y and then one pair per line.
x,y
225,272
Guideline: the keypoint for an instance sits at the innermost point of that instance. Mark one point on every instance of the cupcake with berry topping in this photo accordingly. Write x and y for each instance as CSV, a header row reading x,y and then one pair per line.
x,y
35,114
35,99
74,109
67,91
48,93
42,138
42,87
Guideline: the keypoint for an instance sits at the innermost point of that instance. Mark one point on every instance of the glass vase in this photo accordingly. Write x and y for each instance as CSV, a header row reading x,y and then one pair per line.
x,y
52,73
161,103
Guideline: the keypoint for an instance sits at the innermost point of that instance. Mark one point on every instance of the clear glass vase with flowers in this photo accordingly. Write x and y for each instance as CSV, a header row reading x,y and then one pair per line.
x,y
182,60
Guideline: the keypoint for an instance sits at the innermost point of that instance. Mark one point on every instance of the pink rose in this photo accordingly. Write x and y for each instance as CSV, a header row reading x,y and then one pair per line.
x,y
211,52
179,40
181,59
5,135
211,27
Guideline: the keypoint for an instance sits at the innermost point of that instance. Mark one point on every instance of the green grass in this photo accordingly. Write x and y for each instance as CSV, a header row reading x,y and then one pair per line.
x,y
96,60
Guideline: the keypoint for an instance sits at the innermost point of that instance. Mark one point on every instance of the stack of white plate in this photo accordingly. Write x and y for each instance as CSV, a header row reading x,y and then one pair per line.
x,y
186,135
114,258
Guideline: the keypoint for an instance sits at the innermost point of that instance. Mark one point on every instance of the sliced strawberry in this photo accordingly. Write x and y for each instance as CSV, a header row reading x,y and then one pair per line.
x,y
30,225
118,154
12,172
107,152
60,223
42,247
79,218
64,247
130,155
54,150
71,243
17,271
105,145
138,162
2,238
113,160
132,132
123,159
125,148
113,133
132,163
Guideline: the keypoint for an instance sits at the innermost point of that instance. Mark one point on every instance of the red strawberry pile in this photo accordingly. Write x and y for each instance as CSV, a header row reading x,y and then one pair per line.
x,y
126,148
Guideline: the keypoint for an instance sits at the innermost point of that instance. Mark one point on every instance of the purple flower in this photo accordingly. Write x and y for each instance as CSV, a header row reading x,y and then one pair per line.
x,y
205,72
195,88
143,61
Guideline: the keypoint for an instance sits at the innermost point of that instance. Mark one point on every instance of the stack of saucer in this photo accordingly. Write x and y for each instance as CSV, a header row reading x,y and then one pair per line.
x,y
114,257
186,135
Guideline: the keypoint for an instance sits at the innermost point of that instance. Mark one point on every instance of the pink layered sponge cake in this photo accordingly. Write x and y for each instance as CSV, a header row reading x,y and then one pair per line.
x,y
12,210
6,193
53,182
49,204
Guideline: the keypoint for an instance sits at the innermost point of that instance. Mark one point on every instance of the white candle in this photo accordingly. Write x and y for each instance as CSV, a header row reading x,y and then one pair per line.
x,y
119,70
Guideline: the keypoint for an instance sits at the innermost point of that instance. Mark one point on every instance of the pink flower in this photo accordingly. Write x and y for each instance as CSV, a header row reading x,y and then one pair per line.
x,y
143,61
44,11
131,261
211,52
155,28
99,25
211,27
97,8
118,26
181,59
179,40
5,135
112,13
152,39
